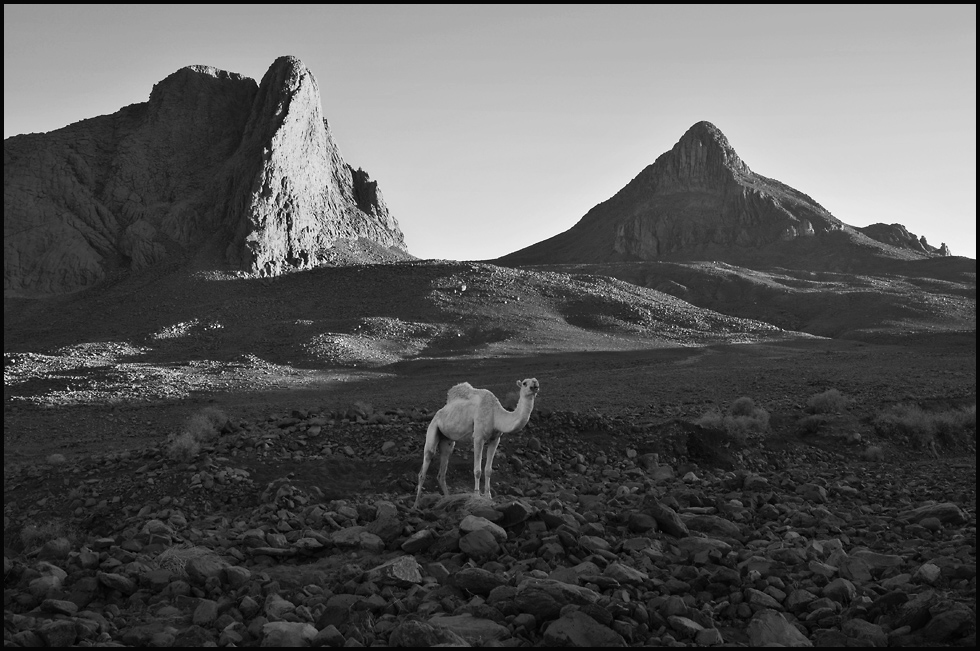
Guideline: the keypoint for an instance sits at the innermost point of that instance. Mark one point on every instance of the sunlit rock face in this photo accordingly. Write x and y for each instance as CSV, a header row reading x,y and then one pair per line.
x,y
697,200
213,167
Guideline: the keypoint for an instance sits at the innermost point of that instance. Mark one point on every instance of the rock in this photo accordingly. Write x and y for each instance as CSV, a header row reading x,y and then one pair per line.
x,y
709,637
576,629
544,598
119,582
276,608
625,574
878,563
713,525
402,571
205,613
202,567
337,610
515,513
56,549
59,607
475,630
387,525
686,628
666,517
412,633
927,573
287,634
478,581
480,544
946,512
949,624
769,628
329,636
473,523
700,550
211,152
840,590
419,541
866,633
357,537
58,633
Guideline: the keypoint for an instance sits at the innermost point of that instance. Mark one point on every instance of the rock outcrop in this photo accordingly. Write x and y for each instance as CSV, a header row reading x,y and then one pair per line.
x,y
697,201
246,175
898,235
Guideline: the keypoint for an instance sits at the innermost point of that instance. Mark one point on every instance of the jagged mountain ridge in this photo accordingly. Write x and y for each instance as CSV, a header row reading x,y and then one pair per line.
x,y
700,200
212,161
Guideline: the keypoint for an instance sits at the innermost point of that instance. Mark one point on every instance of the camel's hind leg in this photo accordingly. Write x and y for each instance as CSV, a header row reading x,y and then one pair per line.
x,y
428,451
488,470
446,446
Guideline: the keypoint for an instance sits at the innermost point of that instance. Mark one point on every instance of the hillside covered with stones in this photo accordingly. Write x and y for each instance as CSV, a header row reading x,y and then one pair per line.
x,y
214,170
297,530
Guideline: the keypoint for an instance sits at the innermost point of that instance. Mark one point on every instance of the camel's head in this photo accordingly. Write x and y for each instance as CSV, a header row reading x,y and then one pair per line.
x,y
529,386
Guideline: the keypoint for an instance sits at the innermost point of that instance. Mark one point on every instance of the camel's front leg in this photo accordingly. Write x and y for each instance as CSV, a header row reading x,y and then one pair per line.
x,y
491,450
446,447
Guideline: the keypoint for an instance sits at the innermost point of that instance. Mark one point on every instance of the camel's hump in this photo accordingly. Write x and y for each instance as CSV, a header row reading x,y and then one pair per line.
x,y
461,391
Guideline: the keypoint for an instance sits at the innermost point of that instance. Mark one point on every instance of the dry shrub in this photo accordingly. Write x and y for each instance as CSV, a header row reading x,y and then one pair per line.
x,y
812,424
921,428
175,558
33,535
830,401
201,428
183,447
874,453
743,420
957,426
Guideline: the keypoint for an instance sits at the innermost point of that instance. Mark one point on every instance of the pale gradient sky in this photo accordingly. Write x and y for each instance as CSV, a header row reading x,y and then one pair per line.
x,y
490,128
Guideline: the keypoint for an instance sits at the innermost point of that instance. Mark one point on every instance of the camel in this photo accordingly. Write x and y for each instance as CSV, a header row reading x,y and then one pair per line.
x,y
477,415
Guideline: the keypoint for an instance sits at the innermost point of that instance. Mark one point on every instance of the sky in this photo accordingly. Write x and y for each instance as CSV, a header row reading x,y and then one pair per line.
x,y
492,127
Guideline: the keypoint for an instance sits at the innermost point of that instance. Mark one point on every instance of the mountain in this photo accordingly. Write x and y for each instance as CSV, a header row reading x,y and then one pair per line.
x,y
701,201
214,168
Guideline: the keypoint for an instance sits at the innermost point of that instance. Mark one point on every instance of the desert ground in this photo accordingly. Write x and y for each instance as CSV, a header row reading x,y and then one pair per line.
x,y
619,515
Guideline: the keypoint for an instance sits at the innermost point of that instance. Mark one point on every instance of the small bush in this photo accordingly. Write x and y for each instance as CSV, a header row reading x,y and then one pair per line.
x,y
743,420
217,418
957,426
830,401
183,448
812,424
874,453
921,429
33,536
202,427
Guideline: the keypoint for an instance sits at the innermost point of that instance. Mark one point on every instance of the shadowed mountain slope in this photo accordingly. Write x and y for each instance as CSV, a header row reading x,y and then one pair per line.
x,y
700,201
242,175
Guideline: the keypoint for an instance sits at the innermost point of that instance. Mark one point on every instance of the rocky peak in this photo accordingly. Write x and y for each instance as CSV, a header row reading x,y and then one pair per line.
x,y
211,157
702,160
700,200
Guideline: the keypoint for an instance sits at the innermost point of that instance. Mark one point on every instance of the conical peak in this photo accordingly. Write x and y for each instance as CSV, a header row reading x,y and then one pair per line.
x,y
717,148
701,161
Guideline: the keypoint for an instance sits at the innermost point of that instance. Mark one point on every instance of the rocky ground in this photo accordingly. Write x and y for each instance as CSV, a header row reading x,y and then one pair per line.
x,y
615,519
621,526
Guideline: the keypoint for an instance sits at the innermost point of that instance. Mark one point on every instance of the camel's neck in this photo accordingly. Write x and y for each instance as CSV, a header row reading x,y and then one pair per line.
x,y
511,421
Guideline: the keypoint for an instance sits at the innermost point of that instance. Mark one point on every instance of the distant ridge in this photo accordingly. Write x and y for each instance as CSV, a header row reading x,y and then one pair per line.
x,y
239,175
700,200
